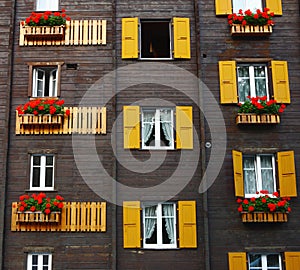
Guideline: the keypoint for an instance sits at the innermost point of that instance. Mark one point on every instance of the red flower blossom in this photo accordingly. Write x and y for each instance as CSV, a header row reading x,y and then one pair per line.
x,y
32,208
60,205
239,200
251,208
21,208
240,209
47,211
245,201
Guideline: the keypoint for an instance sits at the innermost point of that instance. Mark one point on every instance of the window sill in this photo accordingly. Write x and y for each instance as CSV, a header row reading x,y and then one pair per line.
x,y
252,118
264,217
249,30
44,31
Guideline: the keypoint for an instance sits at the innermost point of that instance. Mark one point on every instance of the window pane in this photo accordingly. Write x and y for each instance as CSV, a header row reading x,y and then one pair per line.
x,y
255,261
273,261
49,160
34,268
166,127
36,160
249,175
260,80
267,173
253,5
49,177
34,260
36,177
243,83
148,132
168,224
150,228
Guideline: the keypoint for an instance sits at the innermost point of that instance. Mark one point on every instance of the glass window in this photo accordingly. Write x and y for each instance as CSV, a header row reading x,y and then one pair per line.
x,y
157,129
252,81
159,225
47,5
155,39
253,5
264,262
259,174
42,172
44,82
39,261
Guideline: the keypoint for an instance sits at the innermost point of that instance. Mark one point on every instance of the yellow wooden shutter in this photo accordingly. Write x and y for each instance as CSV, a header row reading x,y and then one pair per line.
x,y
131,122
181,34
280,79
184,127
237,159
287,174
131,224
130,38
223,7
187,224
228,84
237,261
274,6
292,260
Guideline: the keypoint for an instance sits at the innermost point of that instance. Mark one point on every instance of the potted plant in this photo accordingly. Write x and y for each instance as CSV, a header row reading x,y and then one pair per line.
x,y
39,208
248,22
259,110
42,111
264,207
47,24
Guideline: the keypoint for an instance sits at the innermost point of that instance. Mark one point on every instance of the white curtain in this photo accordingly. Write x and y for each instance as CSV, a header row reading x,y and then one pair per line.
x,y
168,212
267,173
253,5
148,125
165,119
150,221
249,175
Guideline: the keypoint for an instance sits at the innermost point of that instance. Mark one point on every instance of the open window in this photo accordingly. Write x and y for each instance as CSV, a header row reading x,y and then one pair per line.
x,y
155,39
253,173
158,225
44,79
241,79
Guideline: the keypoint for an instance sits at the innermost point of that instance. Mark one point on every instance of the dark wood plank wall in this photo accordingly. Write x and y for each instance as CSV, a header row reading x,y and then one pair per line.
x,y
227,232
6,22
71,250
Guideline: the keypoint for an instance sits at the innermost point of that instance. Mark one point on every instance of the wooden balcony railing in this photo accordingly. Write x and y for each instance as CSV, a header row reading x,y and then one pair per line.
x,y
264,217
241,30
82,120
252,118
75,32
75,217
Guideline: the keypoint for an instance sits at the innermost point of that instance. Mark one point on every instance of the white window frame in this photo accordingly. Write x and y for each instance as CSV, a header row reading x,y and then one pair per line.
x,y
40,265
52,83
245,5
159,224
264,262
141,21
42,167
157,129
257,167
252,78
47,5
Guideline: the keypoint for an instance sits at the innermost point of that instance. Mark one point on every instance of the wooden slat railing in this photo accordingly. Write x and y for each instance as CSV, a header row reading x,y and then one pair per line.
x,y
238,29
252,118
264,217
76,32
82,120
75,217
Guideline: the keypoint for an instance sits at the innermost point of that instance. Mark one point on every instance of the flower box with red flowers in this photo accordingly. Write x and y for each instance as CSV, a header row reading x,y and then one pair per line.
x,y
47,24
248,23
39,208
42,112
264,208
259,110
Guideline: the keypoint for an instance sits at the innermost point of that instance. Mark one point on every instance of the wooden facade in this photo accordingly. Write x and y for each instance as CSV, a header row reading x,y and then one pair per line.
x,y
99,81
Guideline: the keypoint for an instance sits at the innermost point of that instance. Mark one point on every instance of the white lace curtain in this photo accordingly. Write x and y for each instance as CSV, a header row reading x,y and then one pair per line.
x,y
168,212
148,125
150,221
165,118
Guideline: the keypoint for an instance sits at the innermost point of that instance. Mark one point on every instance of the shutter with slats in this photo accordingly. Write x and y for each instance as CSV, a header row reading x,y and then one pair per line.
x,y
280,80
129,38
228,82
181,33
237,158
184,127
287,174
131,224
187,224
223,7
131,122
237,261
292,260
274,6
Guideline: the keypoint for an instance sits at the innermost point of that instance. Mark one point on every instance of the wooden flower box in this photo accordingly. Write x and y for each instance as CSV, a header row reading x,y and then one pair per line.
x,y
264,217
46,119
38,217
252,118
57,32
241,30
